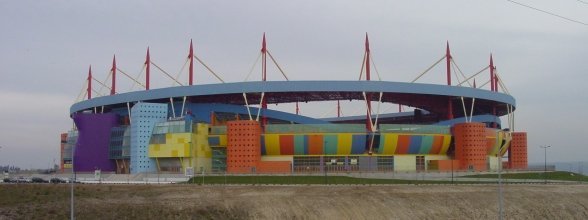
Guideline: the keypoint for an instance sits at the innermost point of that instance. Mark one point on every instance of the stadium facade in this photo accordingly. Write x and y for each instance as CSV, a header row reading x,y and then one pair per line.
x,y
227,127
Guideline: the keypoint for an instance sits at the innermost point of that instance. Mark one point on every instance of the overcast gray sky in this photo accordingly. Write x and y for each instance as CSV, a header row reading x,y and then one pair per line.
x,y
47,46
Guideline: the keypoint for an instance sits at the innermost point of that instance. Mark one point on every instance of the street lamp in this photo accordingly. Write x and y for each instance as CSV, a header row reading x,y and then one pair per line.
x,y
545,164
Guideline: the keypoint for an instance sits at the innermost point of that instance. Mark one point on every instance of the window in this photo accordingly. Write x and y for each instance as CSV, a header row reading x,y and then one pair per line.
x,y
420,163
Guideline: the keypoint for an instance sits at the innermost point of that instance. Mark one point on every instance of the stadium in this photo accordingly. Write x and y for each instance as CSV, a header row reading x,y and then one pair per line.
x,y
228,127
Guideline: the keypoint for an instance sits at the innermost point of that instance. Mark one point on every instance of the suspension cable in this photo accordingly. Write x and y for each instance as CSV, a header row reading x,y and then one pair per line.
x,y
103,84
472,76
456,75
84,92
428,69
502,83
276,63
97,93
458,69
362,66
84,88
484,84
375,68
208,68
252,67
138,76
181,70
160,69
127,75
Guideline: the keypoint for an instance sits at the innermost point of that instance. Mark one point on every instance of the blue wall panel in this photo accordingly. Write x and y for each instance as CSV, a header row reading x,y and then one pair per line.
x,y
358,144
415,144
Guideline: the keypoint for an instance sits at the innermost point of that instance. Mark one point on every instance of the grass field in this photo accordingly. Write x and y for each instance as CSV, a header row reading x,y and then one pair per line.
x,y
52,201
307,180
557,175
393,201
337,180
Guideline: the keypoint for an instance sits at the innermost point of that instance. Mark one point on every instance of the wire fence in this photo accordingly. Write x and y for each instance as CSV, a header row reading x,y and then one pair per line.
x,y
324,177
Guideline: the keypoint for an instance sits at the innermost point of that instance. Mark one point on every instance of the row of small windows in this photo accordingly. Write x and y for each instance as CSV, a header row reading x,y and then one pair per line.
x,y
240,165
242,155
474,155
474,150
242,150
245,145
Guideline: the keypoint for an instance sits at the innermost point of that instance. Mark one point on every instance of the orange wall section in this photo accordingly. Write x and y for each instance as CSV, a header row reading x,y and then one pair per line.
x,y
517,153
470,146
274,167
243,146
443,165
244,150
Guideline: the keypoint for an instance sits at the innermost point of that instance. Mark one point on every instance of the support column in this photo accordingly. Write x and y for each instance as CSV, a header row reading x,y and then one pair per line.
x,y
449,102
493,87
191,67
113,87
147,69
89,91
492,82
263,78
368,122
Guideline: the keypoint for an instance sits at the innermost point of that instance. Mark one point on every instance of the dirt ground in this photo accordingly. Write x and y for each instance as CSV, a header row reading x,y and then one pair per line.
x,y
294,202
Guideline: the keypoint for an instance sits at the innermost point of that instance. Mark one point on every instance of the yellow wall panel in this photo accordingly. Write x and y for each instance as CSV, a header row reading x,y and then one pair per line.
x,y
272,144
446,142
202,153
277,158
344,144
404,163
167,150
436,157
186,149
222,140
390,144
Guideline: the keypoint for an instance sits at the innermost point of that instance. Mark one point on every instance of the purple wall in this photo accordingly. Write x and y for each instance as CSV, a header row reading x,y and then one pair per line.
x,y
91,150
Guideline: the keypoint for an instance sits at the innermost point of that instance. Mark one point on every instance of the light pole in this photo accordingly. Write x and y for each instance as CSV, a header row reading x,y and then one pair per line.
x,y
325,161
545,164
500,194
72,181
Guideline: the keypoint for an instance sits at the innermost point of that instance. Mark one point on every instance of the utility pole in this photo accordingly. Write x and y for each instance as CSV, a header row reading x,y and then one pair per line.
x,y
500,193
545,163
71,181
